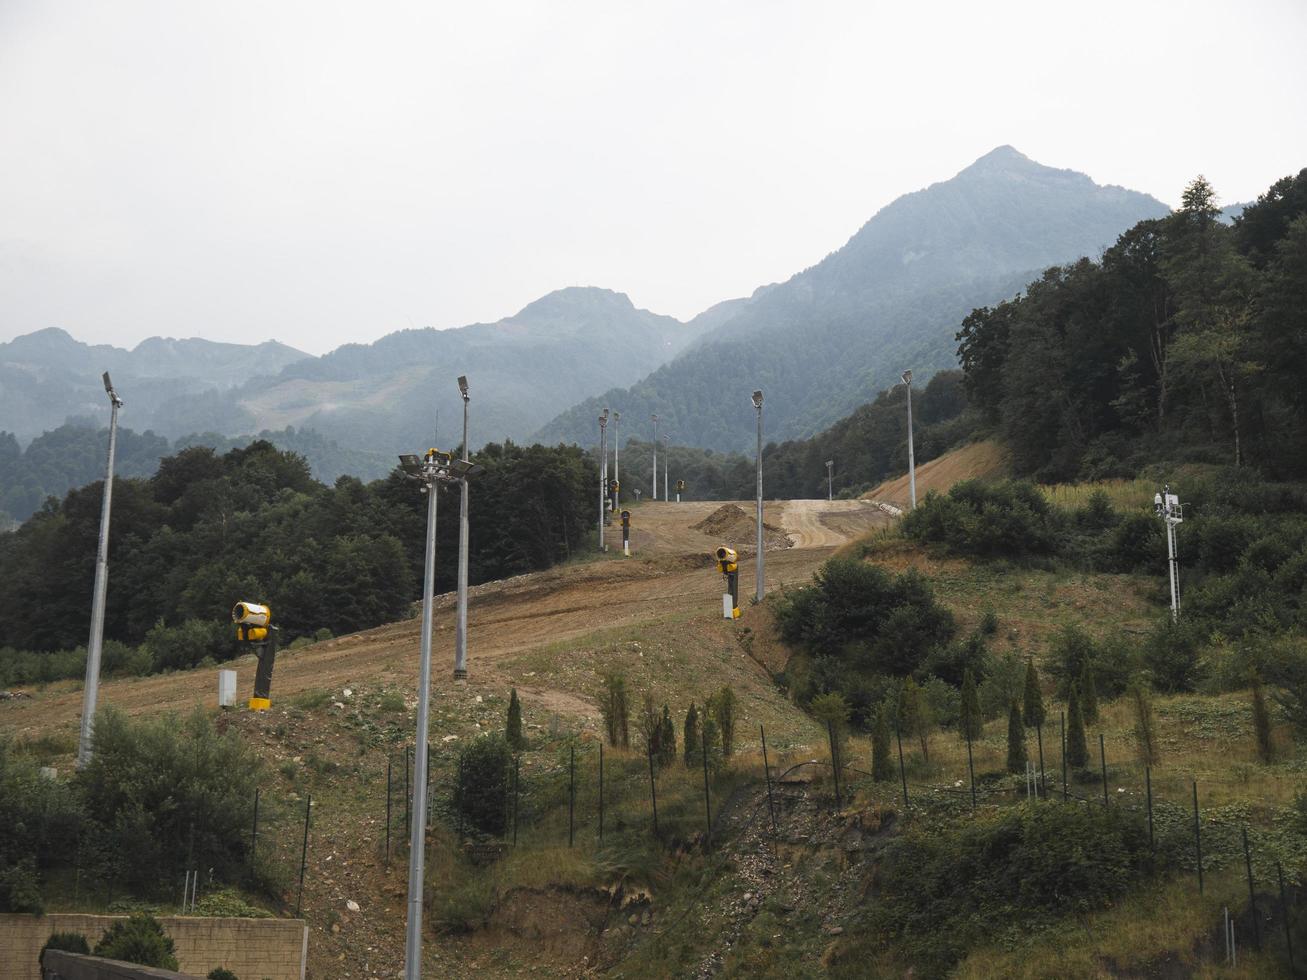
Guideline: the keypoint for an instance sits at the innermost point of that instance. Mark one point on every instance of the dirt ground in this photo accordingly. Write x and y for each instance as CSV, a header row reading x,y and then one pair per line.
x,y
978,460
670,572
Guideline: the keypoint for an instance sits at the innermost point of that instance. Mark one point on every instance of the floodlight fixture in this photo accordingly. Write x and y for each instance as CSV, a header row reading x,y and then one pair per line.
x,y
463,470
907,377
113,395
410,464
757,398
462,385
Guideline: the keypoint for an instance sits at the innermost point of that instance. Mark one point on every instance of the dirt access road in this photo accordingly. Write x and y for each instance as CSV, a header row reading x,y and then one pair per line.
x,y
669,574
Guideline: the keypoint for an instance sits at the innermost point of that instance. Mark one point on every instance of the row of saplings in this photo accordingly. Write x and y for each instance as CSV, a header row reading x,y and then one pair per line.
x,y
139,939
912,718
481,796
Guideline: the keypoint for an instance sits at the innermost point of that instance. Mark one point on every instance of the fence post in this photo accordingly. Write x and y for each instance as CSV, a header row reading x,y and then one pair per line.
x,y
304,855
653,790
388,768
571,794
517,764
408,796
766,768
458,795
254,831
1198,840
707,804
1061,730
601,791
971,768
1148,786
834,763
1039,735
1252,892
903,773
1284,909
1102,758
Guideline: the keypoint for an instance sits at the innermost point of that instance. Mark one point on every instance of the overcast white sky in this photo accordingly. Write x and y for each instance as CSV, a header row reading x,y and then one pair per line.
x,y
322,172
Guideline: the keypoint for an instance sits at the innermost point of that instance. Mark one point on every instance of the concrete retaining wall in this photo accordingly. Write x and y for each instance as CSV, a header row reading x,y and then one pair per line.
x,y
250,948
59,965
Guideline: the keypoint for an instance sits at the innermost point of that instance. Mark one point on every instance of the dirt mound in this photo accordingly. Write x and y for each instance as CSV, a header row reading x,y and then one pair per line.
x,y
735,527
978,460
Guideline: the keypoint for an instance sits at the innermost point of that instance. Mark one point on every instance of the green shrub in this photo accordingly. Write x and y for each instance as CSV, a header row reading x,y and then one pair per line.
x,y
159,789
483,787
66,942
1171,655
1002,685
182,647
139,939
20,888
221,973
513,725
1009,519
942,891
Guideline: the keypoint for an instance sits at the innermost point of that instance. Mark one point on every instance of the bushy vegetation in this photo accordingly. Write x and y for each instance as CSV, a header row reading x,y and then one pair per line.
x,y
941,892
1185,342
154,793
67,942
206,531
138,939
485,768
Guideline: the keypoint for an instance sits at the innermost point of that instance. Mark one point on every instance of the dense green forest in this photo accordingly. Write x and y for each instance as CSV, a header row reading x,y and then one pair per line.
x,y
73,455
207,530
1187,341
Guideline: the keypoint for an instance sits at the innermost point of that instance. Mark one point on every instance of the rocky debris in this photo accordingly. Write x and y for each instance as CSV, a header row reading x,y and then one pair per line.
x,y
732,524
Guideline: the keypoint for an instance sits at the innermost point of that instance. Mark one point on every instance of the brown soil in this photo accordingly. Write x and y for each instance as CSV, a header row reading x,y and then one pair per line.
x,y
731,525
979,460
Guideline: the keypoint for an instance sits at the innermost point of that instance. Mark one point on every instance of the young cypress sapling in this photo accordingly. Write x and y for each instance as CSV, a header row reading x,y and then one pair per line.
x,y
1016,740
1077,751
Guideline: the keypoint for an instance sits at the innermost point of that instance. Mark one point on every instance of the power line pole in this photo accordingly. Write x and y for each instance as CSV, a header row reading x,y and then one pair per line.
x,y
91,689
460,629
757,404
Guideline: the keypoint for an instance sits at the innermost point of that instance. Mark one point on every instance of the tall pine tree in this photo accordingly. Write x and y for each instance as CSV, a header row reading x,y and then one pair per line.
x,y
1032,708
882,769
691,739
1088,694
513,728
1077,751
970,722
1016,741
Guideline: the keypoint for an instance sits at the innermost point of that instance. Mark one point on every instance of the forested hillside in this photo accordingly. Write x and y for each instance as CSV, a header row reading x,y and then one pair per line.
x,y
1187,341
822,342
207,530
73,455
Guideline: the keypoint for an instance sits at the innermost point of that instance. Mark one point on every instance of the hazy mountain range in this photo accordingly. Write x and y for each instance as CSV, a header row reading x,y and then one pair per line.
x,y
819,344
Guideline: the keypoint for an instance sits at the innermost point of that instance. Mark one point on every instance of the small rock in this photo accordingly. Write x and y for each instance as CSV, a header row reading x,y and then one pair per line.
x,y
833,930
478,699
348,693
748,895
352,905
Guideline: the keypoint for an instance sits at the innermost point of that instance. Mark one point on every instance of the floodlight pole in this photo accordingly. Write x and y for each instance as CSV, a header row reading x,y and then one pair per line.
x,y
830,479
1168,509
617,462
418,824
912,464
757,404
460,628
603,459
653,490
667,466
91,689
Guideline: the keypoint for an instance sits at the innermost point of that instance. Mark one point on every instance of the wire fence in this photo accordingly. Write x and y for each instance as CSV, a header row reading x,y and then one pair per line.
x,y
586,795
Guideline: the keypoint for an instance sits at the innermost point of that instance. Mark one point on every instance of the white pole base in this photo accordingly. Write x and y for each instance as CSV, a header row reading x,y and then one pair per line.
x,y
626,548
728,607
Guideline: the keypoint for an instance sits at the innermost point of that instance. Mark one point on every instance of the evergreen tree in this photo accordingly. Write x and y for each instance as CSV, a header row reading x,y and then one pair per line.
x,y
1261,721
915,716
970,721
1032,710
513,729
615,706
1016,741
723,711
1077,751
882,769
667,739
1088,694
712,740
691,736
1145,729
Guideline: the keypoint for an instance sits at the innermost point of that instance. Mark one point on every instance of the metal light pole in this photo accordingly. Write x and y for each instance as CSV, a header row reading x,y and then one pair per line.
x,y
460,628
603,468
667,465
757,404
912,465
830,479
91,689
617,461
1167,506
653,490
429,471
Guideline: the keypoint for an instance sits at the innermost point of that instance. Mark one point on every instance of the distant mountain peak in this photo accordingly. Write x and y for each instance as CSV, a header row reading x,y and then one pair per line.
x,y
1004,159
572,298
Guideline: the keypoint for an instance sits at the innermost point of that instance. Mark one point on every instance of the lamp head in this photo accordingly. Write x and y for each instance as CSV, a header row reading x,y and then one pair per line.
x,y
462,386
757,398
907,377
113,395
